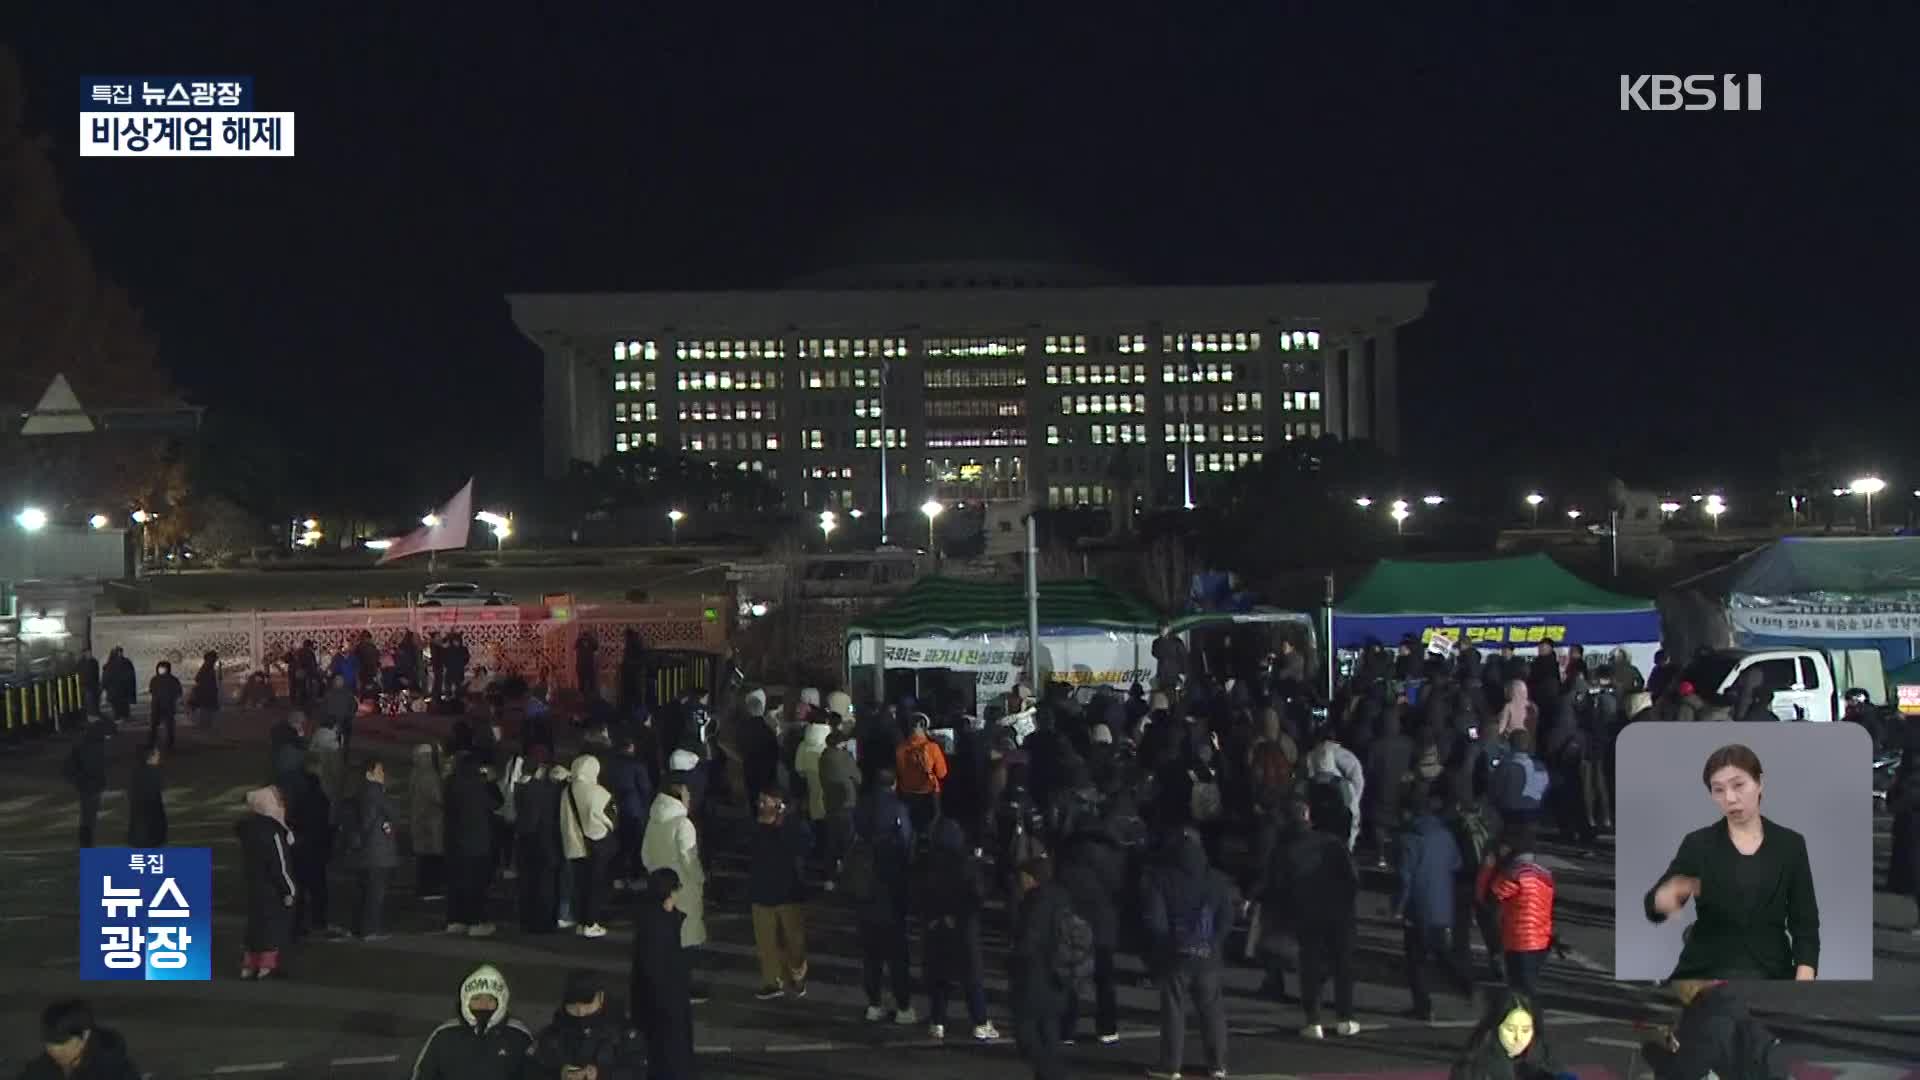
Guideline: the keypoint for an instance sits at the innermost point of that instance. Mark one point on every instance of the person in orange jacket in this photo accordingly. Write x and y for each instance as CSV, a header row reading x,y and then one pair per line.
x,y
1524,889
921,767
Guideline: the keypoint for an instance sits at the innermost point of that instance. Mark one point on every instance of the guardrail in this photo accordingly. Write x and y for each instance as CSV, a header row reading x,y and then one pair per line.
x,y
33,705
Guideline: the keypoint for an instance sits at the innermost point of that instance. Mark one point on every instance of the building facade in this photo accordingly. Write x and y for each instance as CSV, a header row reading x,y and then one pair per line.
x,y
970,382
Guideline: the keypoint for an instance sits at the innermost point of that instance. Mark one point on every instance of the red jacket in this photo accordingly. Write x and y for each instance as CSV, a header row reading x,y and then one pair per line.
x,y
1525,893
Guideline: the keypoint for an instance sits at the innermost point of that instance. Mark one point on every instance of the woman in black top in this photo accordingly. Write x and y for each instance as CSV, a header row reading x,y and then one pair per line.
x,y
1756,916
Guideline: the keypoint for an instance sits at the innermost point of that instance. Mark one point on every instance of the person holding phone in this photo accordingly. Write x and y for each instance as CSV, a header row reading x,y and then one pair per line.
x,y
1756,915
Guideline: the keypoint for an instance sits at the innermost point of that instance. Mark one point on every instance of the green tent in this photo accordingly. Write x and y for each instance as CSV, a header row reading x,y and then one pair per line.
x,y
953,607
1530,584
1518,601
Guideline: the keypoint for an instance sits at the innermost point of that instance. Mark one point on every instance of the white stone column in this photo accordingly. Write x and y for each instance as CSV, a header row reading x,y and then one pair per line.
x,y
1386,391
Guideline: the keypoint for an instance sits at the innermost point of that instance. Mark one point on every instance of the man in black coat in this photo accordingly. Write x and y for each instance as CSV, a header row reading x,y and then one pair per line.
x,y
881,820
147,802
471,798
1039,998
587,1032
1187,909
538,855
1094,873
311,817
89,684
86,770
1711,1038
1318,887
662,980
1429,863
163,697
120,683
371,851
73,1047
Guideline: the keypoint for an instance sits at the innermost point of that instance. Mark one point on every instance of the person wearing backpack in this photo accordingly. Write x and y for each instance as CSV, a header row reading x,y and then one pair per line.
x,y
876,879
1188,911
1472,832
1716,1036
921,767
1094,872
1270,762
1518,787
1044,965
952,895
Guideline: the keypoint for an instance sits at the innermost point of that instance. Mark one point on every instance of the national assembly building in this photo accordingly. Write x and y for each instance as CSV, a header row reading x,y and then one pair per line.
x,y
970,381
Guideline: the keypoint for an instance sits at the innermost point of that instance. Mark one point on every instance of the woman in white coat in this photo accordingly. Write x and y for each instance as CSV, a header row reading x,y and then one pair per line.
x,y
670,842
806,762
586,837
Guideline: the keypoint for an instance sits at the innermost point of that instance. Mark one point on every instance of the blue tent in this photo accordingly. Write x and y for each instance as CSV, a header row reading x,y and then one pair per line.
x,y
1834,592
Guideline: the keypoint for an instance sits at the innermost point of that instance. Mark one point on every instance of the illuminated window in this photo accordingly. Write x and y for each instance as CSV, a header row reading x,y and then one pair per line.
x,y
976,347
619,355
1053,375
1130,343
813,438
620,442
1053,435
1313,400
1069,344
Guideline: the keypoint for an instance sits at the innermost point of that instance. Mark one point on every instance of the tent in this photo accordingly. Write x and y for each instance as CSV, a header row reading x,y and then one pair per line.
x,y
1520,601
1837,593
1089,634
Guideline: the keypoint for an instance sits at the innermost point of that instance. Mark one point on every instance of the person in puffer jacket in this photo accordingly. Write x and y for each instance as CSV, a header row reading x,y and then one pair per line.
x,y
586,837
671,842
1524,889
485,1043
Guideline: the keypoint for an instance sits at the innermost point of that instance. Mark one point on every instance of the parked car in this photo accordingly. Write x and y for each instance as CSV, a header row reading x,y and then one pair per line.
x,y
1802,680
461,594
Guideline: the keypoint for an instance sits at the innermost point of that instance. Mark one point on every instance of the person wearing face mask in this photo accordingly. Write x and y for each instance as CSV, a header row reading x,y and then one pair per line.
x,y
484,1043
1756,915
75,1048
1507,1045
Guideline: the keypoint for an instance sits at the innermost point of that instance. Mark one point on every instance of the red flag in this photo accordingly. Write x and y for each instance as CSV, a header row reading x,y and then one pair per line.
x,y
447,533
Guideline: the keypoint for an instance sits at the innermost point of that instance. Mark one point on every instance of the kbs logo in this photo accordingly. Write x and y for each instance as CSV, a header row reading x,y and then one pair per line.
x,y
1691,93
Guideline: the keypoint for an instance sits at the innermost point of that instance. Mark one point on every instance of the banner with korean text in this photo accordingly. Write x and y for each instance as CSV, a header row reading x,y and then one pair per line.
x,y
1598,632
1082,658
146,914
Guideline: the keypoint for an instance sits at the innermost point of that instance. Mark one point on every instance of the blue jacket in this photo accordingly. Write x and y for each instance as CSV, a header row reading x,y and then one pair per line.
x,y
881,819
1429,858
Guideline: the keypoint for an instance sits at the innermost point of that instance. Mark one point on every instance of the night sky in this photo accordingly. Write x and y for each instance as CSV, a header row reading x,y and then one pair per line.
x,y
1690,293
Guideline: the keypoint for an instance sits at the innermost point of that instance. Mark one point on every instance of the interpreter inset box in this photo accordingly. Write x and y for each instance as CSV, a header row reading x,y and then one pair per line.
x,y
1743,851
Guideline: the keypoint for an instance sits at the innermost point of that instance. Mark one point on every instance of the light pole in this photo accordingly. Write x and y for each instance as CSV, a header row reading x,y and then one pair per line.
x,y
931,508
1534,499
1363,502
1573,515
1400,514
827,524
1714,509
32,519
502,527
674,517
1433,500
97,521
1868,486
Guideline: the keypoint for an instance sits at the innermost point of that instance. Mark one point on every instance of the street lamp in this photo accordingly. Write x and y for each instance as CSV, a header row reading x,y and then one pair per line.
x,y
1398,504
310,524
98,521
1433,500
932,509
1400,514
431,520
674,517
500,534
141,517
1868,486
1534,499
856,514
1573,514
827,524
1363,502
32,519
1714,509
1669,508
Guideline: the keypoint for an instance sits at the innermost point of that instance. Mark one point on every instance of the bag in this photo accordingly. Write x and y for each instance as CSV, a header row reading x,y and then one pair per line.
x,y
1072,947
1327,799
1204,803
857,870
1272,771
1535,788
1192,931
1757,1052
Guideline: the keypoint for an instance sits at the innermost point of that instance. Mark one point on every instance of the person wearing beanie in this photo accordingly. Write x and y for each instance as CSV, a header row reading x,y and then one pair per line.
x,y
587,1032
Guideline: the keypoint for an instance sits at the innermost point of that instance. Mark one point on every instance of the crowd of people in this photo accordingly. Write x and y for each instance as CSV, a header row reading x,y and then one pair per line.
x,y
1207,821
